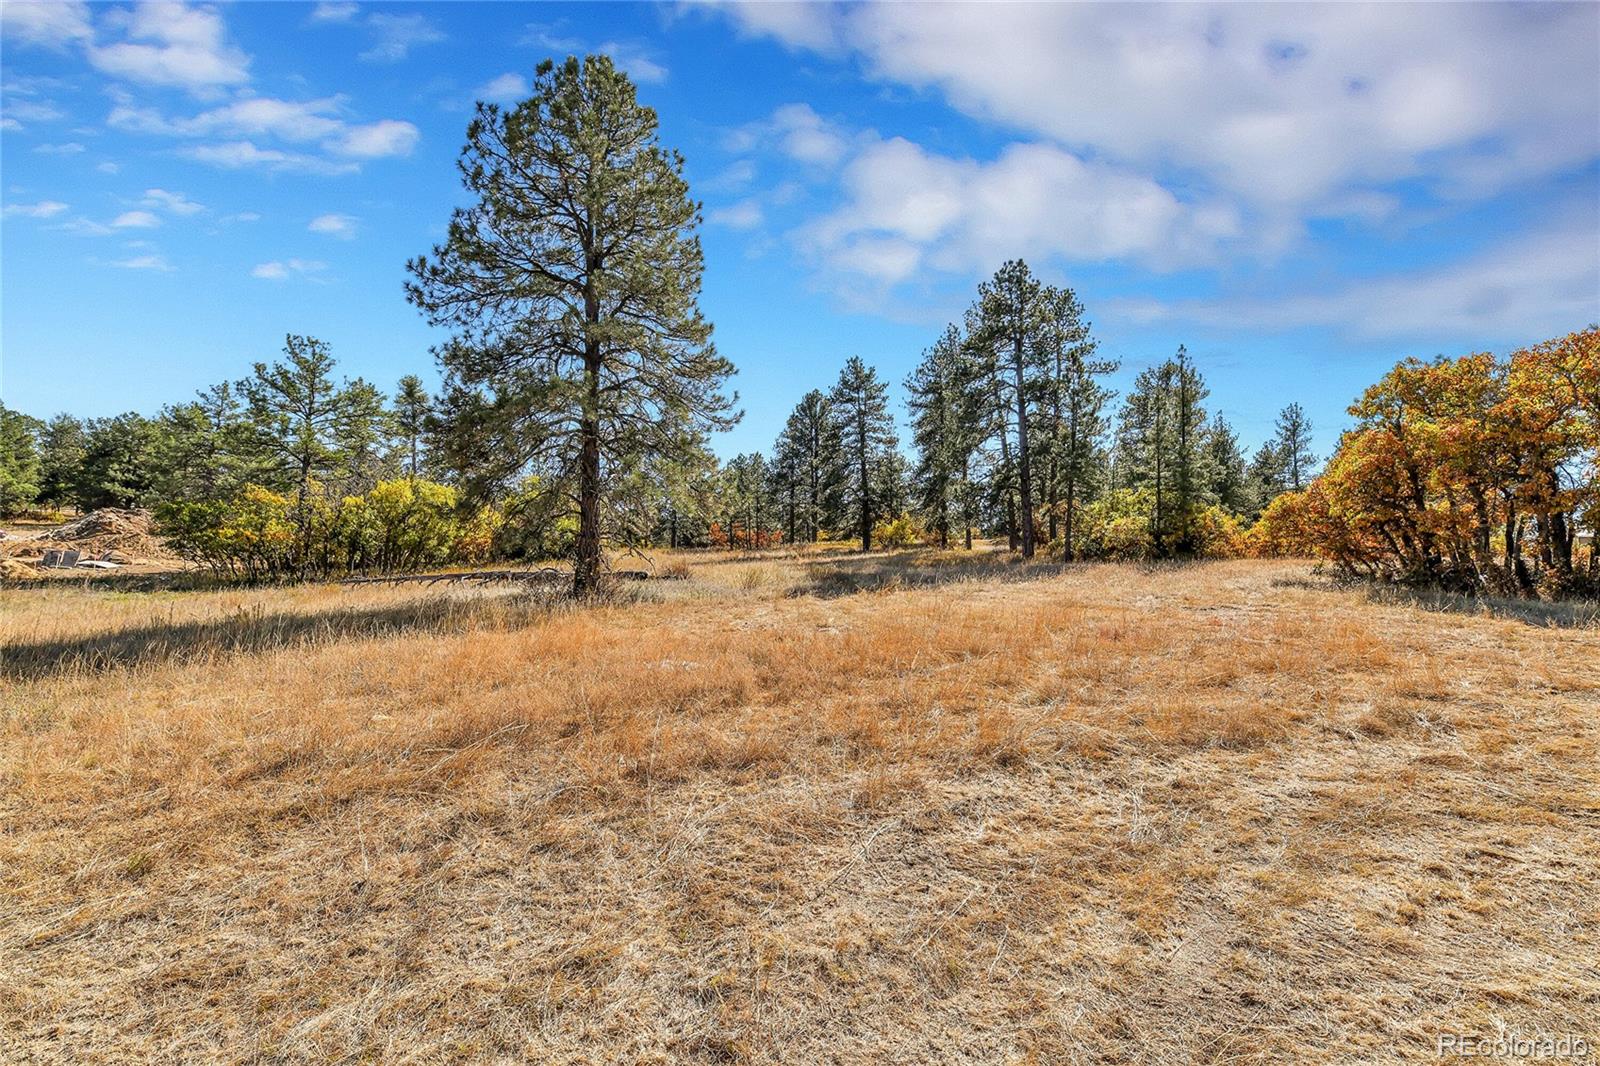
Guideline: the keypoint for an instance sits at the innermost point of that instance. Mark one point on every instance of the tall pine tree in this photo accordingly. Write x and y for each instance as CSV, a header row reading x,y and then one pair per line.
x,y
811,451
572,281
1006,328
860,403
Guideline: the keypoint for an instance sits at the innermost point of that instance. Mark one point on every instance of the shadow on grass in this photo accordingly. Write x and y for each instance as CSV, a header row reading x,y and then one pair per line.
x,y
254,631
112,581
1547,614
845,576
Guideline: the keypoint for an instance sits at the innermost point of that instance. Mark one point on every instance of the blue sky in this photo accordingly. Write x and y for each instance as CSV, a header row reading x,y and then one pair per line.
x,y
1302,194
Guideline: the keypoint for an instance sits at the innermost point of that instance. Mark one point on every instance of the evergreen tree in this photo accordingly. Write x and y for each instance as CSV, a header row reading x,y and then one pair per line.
x,y
891,487
61,447
1006,328
1229,479
992,471
205,448
1191,465
412,409
684,488
749,501
1144,433
119,462
1293,443
1162,448
363,439
810,451
19,460
1074,403
860,403
1266,477
297,415
572,280
942,431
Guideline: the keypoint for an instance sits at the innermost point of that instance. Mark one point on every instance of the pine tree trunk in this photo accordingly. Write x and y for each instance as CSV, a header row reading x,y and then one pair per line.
x,y
966,499
866,506
1008,471
1025,476
1066,530
865,484
586,565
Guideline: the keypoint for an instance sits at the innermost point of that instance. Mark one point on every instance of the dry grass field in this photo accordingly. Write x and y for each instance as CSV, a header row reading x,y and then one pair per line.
x,y
894,809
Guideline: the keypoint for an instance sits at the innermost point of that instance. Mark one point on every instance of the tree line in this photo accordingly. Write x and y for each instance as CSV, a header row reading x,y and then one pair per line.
x,y
297,471
1012,434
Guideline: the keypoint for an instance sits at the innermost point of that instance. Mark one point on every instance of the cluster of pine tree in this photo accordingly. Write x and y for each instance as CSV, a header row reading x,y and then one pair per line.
x,y
291,471
289,425
1008,418
1013,436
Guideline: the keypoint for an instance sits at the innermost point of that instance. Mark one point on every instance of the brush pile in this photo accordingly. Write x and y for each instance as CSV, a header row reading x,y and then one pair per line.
x,y
110,534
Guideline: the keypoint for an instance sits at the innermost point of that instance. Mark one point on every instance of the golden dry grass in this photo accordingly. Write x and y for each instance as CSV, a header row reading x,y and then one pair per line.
x,y
910,808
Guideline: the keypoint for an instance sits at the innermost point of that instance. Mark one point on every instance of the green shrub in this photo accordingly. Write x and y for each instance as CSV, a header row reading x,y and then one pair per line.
x,y
259,534
901,532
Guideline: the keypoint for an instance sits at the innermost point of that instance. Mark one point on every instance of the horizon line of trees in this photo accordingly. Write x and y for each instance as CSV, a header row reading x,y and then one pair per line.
x,y
1013,435
296,429
1474,473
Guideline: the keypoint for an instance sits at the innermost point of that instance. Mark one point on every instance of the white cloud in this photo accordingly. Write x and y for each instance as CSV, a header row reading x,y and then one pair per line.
x,y
1283,107
806,137
20,111
277,270
535,35
84,227
396,35
1540,285
736,175
143,262
504,89
377,139
634,61
906,209
239,155
802,24
341,11
135,220
798,132
630,57
42,209
109,167
173,202
292,120
70,148
340,226
295,121
52,23
171,44
746,214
